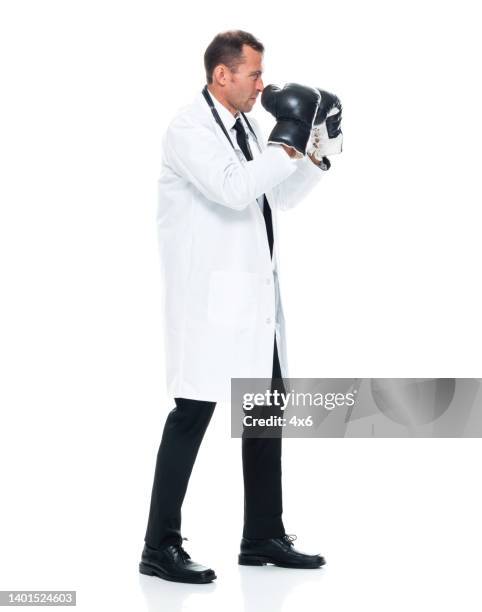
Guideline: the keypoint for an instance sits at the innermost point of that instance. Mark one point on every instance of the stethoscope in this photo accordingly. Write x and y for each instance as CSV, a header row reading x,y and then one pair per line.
x,y
217,118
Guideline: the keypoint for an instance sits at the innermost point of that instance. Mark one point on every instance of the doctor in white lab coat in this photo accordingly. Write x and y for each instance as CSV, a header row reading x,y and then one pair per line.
x,y
222,303
222,306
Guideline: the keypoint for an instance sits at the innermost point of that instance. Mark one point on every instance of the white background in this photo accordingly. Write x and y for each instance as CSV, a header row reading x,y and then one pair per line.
x,y
380,277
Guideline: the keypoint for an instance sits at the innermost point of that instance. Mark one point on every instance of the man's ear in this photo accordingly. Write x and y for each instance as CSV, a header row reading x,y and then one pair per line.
x,y
219,75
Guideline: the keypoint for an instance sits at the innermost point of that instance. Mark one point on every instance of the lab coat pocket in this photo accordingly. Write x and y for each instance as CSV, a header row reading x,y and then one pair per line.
x,y
232,299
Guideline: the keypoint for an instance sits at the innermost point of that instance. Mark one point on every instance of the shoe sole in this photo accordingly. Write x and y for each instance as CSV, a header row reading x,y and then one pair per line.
x,y
149,570
259,560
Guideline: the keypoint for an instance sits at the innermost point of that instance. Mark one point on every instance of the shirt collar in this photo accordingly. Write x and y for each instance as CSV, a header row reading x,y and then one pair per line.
x,y
227,117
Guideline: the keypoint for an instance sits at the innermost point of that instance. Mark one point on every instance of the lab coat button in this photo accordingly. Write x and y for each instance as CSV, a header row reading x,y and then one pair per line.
x,y
268,281
268,320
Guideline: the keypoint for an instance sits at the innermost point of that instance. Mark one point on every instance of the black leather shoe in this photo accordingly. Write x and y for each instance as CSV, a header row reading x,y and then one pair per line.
x,y
173,563
279,551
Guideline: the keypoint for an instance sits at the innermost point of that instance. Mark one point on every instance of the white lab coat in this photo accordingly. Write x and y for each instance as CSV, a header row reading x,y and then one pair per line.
x,y
221,297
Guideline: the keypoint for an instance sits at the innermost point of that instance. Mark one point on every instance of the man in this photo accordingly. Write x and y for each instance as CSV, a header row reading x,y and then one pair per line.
x,y
219,192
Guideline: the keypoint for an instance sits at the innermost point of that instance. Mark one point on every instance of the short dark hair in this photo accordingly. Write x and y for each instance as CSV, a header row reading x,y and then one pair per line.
x,y
227,48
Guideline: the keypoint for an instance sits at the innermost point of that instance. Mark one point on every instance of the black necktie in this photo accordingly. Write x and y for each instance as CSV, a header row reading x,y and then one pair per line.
x,y
243,145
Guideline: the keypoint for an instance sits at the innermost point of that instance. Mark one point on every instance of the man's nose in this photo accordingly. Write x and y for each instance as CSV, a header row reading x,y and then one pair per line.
x,y
260,85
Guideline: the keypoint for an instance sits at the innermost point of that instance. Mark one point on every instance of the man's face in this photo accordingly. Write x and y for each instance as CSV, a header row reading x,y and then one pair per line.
x,y
244,85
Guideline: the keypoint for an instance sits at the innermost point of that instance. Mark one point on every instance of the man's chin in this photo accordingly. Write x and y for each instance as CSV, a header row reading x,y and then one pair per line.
x,y
249,106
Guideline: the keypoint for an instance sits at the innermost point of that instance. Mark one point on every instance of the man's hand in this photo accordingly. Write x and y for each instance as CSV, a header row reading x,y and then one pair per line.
x,y
317,162
323,163
292,152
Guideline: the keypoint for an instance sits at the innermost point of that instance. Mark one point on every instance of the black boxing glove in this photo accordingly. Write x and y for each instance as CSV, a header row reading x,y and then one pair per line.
x,y
294,107
327,137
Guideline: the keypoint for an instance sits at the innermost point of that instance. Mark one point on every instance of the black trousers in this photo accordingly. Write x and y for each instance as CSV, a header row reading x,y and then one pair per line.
x,y
182,436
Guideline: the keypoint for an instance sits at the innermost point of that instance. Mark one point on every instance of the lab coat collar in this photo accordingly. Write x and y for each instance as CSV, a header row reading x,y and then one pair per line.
x,y
227,117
